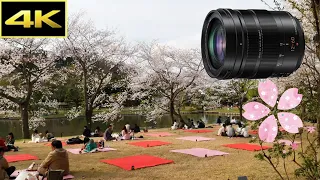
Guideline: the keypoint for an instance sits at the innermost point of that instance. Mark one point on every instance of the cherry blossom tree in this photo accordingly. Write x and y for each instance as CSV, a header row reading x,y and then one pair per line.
x,y
163,75
25,66
307,77
99,58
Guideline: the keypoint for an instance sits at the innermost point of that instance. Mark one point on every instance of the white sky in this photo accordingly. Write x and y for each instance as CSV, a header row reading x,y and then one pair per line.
x,y
173,22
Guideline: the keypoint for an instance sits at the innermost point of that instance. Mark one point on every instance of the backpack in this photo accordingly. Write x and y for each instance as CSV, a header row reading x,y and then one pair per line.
x,y
74,141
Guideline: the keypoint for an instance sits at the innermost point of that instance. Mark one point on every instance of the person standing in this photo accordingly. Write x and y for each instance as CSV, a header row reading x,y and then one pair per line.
x,y
219,120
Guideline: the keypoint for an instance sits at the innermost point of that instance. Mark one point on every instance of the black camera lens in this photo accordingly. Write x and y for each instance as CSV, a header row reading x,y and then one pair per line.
x,y
251,44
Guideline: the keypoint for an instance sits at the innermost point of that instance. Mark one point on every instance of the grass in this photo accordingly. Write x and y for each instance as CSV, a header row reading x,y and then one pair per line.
x,y
237,163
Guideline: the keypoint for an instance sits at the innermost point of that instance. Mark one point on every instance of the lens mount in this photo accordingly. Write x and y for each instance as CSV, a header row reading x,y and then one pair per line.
x,y
251,44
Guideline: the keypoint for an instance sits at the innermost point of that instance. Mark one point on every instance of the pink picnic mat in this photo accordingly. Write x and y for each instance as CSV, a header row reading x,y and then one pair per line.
x,y
159,134
200,152
76,151
287,142
17,172
196,138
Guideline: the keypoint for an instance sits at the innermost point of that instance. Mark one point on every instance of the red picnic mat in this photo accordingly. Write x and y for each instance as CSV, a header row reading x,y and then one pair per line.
x,y
149,143
137,162
248,147
198,130
253,132
20,157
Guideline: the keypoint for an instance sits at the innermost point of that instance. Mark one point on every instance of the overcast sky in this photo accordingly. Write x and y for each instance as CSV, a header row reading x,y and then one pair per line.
x,y
173,22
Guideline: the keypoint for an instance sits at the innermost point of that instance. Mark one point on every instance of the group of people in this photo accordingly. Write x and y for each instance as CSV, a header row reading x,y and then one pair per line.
x,y
190,124
8,143
57,159
37,137
126,133
227,129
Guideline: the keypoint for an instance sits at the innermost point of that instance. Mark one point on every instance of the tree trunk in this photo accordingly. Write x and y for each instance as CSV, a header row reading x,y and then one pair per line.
x,y
172,110
25,120
318,116
89,113
240,109
88,110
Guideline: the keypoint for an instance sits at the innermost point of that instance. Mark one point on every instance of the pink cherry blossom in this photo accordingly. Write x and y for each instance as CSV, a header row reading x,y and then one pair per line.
x,y
294,146
311,129
268,129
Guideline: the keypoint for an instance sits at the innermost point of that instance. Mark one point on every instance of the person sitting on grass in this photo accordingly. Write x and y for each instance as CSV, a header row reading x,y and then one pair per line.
x,y
201,124
136,128
108,134
222,130
57,159
36,137
97,132
86,132
10,142
242,131
49,135
230,131
175,125
89,147
5,169
125,135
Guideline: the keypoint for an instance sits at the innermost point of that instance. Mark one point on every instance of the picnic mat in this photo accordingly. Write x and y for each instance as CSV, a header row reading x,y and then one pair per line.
x,y
248,147
196,138
17,172
287,142
149,143
137,162
20,157
200,152
159,134
253,132
76,151
198,130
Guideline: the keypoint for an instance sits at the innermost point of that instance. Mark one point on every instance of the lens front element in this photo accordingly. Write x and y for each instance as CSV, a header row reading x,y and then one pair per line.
x,y
217,45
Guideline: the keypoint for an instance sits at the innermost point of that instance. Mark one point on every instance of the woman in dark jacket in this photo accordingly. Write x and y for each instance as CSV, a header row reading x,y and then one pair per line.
x,y
10,142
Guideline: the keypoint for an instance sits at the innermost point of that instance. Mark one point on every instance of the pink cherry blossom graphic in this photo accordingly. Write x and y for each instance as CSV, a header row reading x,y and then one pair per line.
x,y
268,129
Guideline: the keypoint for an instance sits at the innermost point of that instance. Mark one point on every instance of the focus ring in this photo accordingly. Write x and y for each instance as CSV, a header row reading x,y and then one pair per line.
x,y
270,45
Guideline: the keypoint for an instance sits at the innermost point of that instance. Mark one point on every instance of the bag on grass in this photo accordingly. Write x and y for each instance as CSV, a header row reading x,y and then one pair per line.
x,y
74,141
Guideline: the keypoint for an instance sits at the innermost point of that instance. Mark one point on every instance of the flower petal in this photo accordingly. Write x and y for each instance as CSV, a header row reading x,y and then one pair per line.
x,y
290,122
289,99
255,111
268,129
268,92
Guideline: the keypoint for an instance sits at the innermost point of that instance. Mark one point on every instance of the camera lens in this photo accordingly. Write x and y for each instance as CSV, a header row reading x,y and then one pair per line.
x,y
251,44
217,45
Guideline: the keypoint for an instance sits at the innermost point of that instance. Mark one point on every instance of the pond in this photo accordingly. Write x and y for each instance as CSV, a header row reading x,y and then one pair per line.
x,y
62,127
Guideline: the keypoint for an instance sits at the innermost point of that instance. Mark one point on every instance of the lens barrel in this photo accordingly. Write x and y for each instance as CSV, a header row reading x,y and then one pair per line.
x,y
251,44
